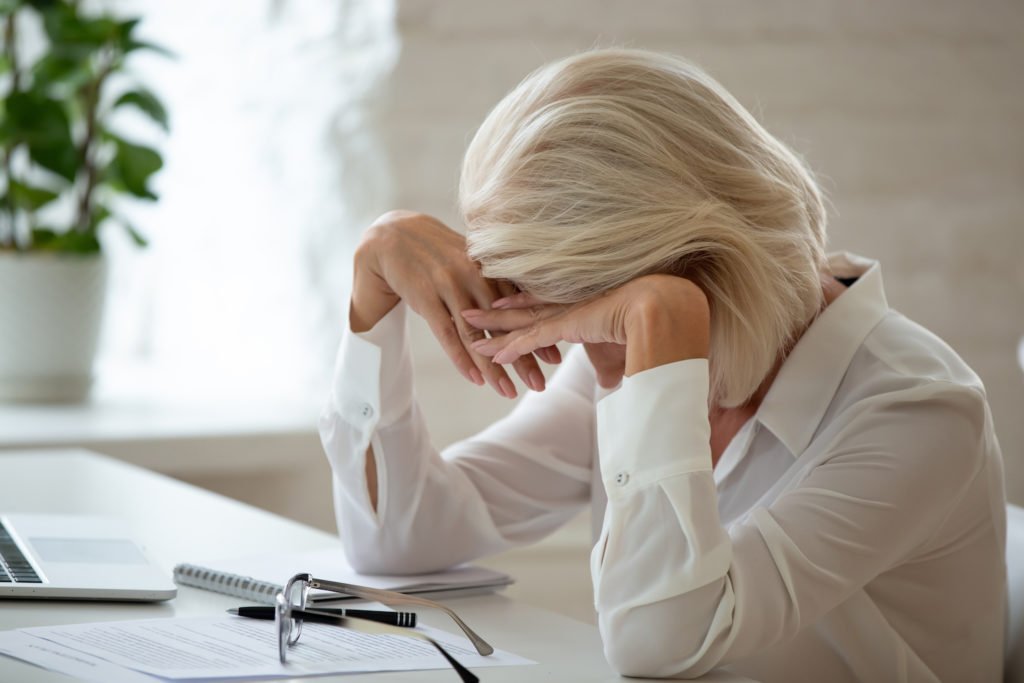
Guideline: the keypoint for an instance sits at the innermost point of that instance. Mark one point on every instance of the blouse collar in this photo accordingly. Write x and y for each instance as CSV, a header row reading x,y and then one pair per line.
x,y
810,376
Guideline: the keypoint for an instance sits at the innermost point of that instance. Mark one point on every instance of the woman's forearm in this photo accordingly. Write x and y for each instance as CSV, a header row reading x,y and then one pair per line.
x,y
371,477
370,302
666,326
659,581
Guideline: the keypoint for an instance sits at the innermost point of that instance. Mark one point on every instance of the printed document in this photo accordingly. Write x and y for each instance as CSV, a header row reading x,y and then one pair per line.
x,y
233,647
58,658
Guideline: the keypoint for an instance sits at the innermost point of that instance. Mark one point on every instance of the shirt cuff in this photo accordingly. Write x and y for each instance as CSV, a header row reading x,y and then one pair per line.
x,y
372,385
655,427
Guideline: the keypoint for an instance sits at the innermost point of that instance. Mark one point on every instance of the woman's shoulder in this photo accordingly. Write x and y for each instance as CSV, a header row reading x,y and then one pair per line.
x,y
907,393
902,354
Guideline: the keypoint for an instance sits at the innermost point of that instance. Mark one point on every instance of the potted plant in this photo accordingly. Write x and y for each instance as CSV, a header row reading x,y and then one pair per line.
x,y
63,174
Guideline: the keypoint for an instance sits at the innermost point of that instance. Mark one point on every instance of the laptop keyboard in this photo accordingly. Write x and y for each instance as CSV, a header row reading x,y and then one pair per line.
x,y
14,566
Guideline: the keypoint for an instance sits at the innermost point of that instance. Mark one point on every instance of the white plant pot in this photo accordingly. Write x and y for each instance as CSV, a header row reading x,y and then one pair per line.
x,y
51,308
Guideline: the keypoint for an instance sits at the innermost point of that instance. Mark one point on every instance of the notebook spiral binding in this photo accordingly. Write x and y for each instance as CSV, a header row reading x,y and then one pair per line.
x,y
244,587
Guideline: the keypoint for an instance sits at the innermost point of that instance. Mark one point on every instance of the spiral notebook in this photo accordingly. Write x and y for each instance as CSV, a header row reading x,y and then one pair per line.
x,y
245,587
258,579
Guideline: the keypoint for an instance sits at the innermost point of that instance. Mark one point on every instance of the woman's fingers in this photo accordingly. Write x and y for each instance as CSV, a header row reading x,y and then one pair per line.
x,y
443,327
497,321
492,372
517,300
509,319
549,354
484,293
505,288
501,321
529,371
513,345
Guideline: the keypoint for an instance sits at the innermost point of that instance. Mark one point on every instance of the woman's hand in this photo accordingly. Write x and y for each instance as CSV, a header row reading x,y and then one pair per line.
x,y
413,257
659,319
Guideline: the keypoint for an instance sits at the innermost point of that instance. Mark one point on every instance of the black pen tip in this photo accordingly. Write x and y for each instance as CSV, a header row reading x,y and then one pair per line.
x,y
232,611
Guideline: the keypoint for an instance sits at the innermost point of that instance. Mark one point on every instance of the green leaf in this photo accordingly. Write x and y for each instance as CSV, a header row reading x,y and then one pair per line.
x,y
55,156
43,125
147,103
70,33
126,27
137,237
64,26
28,197
70,242
43,238
133,165
7,132
61,69
74,35
132,45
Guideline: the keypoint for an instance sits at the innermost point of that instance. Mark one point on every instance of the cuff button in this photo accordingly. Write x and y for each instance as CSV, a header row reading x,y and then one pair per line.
x,y
622,478
367,410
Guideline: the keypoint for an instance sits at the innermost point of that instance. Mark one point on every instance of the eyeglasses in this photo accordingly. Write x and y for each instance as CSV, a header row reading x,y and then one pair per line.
x,y
295,596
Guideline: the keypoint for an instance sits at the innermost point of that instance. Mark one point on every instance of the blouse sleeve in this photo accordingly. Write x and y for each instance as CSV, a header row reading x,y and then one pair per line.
x,y
513,483
677,594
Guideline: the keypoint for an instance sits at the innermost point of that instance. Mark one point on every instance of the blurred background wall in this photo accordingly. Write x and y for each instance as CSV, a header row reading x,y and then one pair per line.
x,y
911,114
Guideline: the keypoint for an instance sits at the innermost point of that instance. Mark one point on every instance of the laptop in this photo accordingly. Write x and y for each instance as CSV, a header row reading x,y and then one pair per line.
x,y
76,557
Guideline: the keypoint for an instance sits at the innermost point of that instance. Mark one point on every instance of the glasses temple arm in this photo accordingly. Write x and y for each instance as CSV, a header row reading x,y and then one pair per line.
x,y
368,626
393,598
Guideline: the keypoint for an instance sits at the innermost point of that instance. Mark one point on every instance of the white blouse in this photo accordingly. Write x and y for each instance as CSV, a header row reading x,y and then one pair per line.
x,y
853,529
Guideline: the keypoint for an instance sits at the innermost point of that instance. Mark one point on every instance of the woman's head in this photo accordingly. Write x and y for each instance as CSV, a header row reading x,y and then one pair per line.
x,y
614,164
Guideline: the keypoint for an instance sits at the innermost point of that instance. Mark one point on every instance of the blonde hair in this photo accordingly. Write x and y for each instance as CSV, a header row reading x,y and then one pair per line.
x,y
614,164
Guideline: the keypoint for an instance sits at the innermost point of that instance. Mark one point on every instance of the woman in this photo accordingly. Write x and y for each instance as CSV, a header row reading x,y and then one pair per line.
x,y
788,477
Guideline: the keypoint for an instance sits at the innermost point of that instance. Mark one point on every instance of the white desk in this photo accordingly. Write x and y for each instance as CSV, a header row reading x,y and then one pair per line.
x,y
179,522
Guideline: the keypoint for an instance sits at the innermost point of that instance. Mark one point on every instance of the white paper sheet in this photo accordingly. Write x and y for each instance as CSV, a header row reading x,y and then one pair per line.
x,y
58,658
232,647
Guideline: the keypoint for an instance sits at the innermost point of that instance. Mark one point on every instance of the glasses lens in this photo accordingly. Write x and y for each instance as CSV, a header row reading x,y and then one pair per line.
x,y
297,595
282,620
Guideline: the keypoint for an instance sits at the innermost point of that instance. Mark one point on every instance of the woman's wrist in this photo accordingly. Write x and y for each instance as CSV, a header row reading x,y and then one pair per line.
x,y
372,299
669,323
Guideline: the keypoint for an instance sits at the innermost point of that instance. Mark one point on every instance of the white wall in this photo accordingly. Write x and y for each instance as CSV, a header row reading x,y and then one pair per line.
x,y
911,113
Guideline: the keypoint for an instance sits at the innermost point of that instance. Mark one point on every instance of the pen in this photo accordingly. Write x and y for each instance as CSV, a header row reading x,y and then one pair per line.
x,y
328,615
